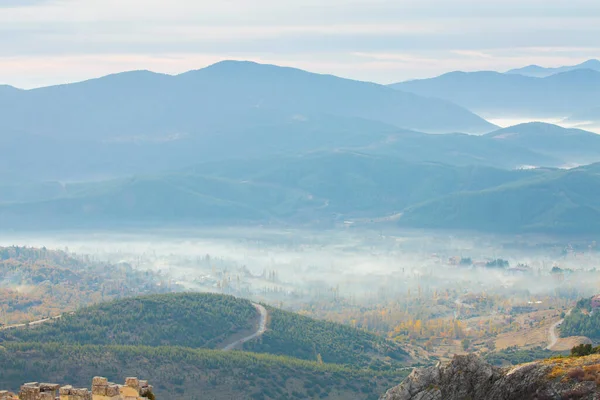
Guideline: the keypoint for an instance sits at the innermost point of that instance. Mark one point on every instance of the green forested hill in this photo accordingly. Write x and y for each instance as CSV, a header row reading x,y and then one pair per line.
x,y
192,374
556,202
201,320
581,321
326,187
297,336
289,189
170,339
181,319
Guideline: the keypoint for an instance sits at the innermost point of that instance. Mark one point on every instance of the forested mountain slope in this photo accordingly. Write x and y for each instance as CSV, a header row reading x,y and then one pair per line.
x,y
191,374
574,146
39,283
284,189
297,336
583,320
204,320
558,202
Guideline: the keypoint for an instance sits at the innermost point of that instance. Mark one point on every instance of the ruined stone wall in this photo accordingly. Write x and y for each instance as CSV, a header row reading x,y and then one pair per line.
x,y
5,395
102,389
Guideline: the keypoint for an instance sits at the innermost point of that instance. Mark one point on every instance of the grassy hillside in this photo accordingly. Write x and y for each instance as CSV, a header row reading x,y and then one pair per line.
x,y
558,202
297,336
192,374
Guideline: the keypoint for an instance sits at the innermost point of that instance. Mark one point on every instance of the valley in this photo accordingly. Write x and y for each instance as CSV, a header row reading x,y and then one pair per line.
x,y
250,231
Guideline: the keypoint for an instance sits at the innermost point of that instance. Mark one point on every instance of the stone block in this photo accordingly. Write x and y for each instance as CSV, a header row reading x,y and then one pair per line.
x,y
132,382
98,380
65,390
46,387
112,390
99,390
30,391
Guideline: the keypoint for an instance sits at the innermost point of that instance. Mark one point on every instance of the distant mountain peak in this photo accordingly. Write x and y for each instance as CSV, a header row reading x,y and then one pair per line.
x,y
8,88
593,62
538,71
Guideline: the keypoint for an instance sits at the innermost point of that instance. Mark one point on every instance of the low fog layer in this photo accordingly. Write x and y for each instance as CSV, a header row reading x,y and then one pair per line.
x,y
289,267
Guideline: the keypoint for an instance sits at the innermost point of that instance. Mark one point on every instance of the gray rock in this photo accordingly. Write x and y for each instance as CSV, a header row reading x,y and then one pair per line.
x,y
471,378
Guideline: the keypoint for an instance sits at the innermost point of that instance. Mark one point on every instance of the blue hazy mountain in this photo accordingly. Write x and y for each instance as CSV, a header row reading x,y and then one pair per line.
x,y
40,158
222,98
542,72
144,122
572,146
588,117
286,189
511,94
320,188
556,202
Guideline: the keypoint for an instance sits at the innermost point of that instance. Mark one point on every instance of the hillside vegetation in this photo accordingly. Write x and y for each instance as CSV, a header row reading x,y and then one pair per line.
x,y
201,320
38,283
573,146
297,336
581,321
192,374
182,319
326,188
307,188
558,202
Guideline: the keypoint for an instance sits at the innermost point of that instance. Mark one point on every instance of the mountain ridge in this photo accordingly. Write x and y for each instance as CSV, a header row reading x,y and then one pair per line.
x,y
541,72
495,93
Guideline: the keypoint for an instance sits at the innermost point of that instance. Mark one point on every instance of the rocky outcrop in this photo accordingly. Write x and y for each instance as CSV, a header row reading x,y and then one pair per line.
x,y
471,378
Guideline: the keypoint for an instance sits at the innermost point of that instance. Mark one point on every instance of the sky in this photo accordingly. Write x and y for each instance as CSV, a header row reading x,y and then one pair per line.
x,y
45,42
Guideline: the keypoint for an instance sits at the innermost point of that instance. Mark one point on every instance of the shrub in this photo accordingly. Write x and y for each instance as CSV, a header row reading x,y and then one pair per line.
x,y
582,350
576,373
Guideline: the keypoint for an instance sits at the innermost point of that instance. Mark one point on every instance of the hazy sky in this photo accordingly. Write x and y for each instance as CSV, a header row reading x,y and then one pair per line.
x,y
54,41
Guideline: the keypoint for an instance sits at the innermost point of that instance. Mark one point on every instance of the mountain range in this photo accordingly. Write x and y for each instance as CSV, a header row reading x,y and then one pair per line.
x,y
136,115
325,188
494,93
241,142
556,202
542,72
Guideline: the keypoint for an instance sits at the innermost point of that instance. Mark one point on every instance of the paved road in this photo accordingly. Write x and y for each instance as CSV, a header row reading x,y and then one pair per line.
x,y
262,327
38,322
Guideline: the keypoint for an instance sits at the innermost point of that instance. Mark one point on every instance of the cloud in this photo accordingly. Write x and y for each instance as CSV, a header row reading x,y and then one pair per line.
x,y
380,40
21,3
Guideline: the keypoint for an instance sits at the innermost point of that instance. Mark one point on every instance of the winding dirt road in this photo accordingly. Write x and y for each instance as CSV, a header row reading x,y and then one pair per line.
x,y
552,334
262,328
38,322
